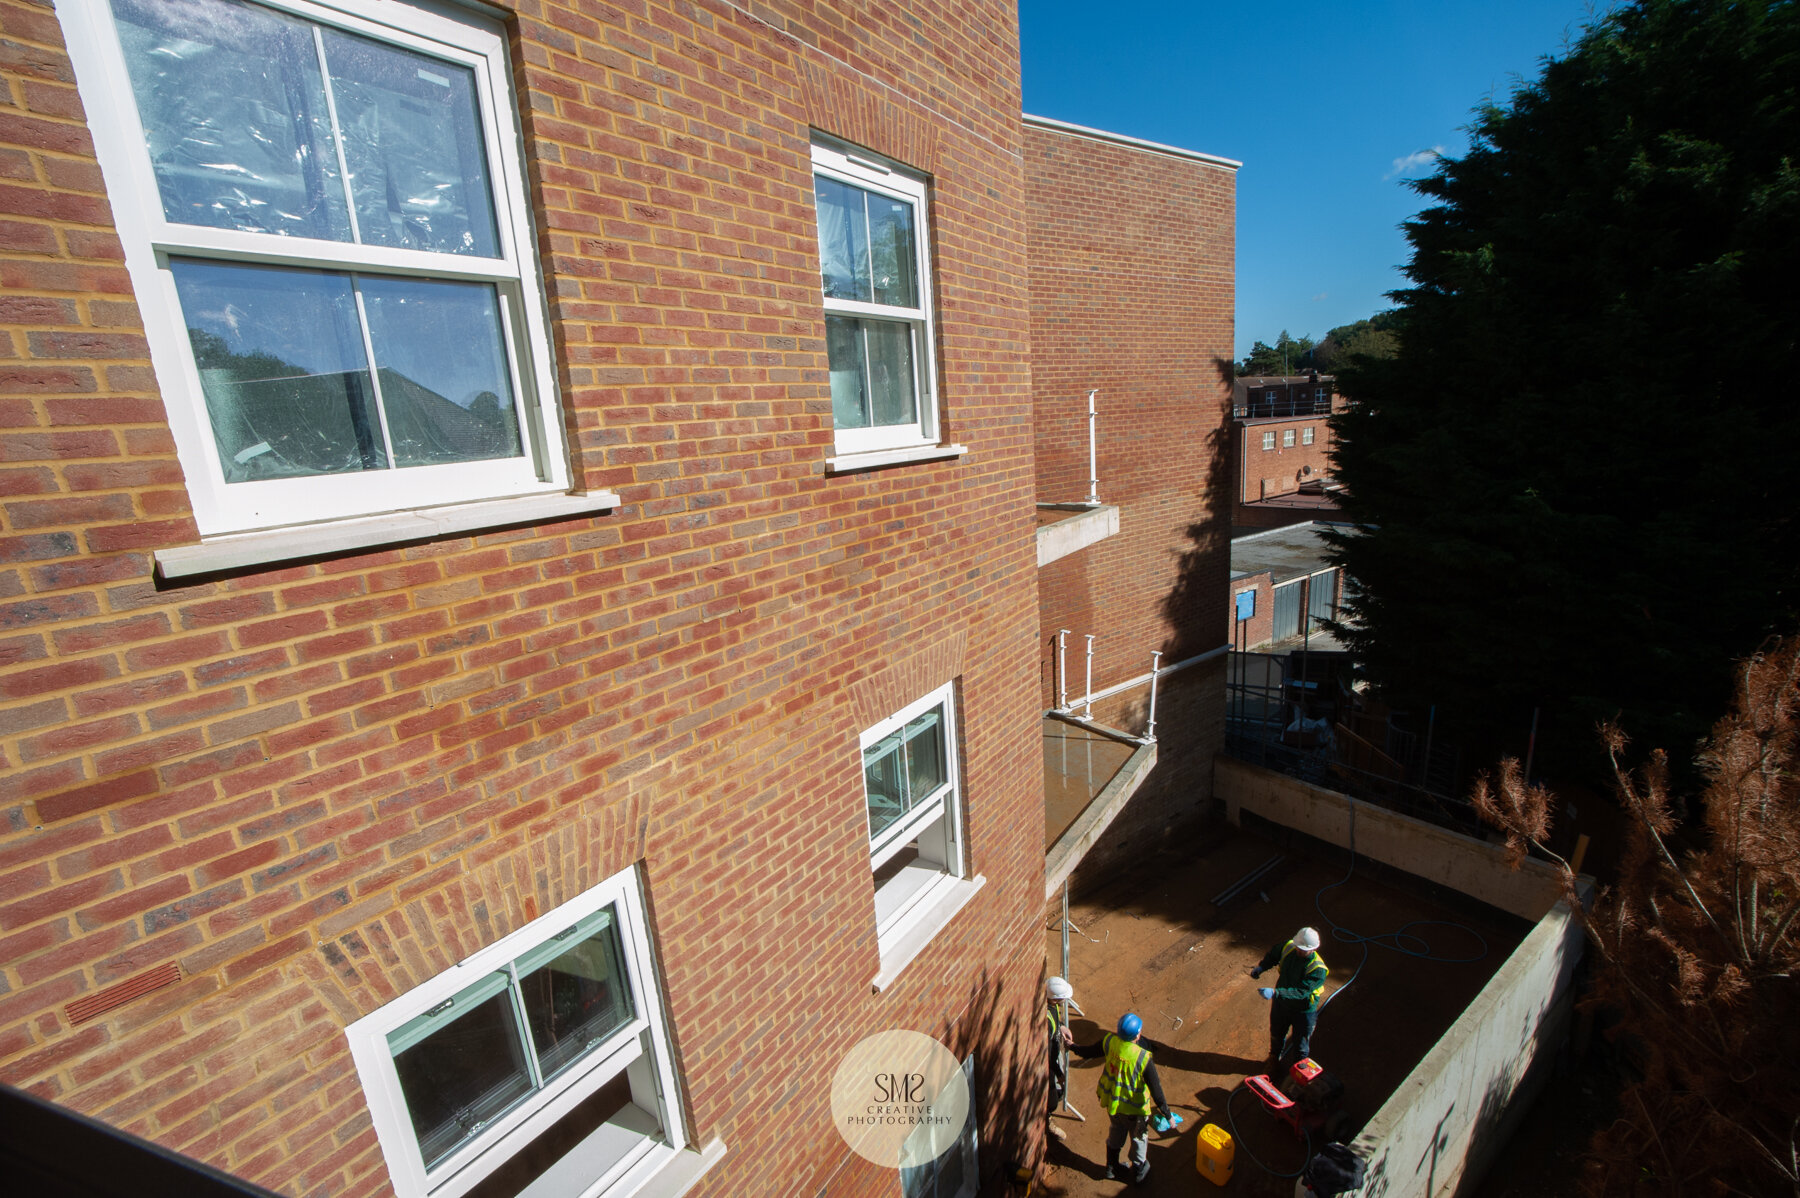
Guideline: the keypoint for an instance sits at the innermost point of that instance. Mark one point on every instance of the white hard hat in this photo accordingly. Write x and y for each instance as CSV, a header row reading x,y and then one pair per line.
x,y
1306,939
1059,989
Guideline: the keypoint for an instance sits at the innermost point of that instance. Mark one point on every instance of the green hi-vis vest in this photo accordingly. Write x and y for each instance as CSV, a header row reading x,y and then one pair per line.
x,y
1122,1089
1307,961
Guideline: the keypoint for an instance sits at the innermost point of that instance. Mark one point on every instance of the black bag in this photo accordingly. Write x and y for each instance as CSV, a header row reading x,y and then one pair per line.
x,y
1334,1170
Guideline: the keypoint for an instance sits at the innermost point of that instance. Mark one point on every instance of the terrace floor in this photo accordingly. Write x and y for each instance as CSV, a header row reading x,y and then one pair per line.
x,y
1154,943
1078,763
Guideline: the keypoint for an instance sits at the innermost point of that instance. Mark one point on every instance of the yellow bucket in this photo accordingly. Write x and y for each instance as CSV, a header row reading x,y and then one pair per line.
x,y
1214,1153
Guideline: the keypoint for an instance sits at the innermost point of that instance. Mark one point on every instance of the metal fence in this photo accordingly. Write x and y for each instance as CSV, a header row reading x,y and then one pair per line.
x,y
1299,727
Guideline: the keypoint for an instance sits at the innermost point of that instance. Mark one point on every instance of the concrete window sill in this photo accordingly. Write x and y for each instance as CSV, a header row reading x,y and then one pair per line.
x,y
682,1173
849,463
240,550
898,952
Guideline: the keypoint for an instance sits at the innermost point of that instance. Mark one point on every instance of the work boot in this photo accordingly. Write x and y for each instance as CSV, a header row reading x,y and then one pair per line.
x,y
1112,1171
1056,1131
1142,1178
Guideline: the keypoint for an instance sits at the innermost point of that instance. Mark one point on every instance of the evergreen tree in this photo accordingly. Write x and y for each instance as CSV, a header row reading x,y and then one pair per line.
x,y
1572,478
1374,337
1289,355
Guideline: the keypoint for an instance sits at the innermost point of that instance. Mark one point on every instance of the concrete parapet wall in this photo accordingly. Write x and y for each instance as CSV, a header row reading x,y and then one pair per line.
x,y
1455,1110
1473,867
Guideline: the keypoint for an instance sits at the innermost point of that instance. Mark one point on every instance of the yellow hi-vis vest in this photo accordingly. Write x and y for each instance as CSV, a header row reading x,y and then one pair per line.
x,y
1122,1089
1307,960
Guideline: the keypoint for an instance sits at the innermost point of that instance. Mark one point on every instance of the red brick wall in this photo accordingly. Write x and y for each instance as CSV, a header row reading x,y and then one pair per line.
x,y
1132,259
1256,630
296,782
1283,468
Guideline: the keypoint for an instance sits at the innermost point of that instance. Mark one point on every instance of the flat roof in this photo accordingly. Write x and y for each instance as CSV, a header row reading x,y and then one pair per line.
x,y
1286,553
1136,143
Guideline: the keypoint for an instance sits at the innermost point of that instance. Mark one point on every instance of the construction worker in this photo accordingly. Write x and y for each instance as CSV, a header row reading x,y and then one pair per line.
x,y
1056,993
1128,1089
1295,996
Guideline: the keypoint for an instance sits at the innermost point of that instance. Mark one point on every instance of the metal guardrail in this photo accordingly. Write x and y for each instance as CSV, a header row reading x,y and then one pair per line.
x,y
1282,408
1375,761
1320,769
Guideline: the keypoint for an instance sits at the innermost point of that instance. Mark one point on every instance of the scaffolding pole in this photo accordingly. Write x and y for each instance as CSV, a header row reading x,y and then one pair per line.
x,y
1061,1047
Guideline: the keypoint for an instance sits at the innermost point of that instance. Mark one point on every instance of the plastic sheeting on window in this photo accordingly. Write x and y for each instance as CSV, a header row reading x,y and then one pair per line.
x,y
288,388
411,131
867,248
235,117
444,380
872,380
237,107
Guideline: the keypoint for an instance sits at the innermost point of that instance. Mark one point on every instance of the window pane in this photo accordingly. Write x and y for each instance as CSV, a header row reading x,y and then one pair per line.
x,y
843,349
280,356
891,372
463,1075
562,1137
443,370
885,779
843,239
577,999
234,114
412,140
901,880
895,256
925,754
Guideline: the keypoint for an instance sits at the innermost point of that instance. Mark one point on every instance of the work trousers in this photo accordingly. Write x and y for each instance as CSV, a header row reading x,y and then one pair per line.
x,y
1135,1128
1286,1017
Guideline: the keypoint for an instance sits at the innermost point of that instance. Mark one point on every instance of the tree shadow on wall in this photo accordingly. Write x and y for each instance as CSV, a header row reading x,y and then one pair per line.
x,y
1011,1076
1195,607
1194,611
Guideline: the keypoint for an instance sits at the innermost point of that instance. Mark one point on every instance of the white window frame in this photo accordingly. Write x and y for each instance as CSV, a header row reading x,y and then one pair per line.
x,y
871,172
1268,440
905,898
622,1155
925,1180
1306,435
150,241
1287,438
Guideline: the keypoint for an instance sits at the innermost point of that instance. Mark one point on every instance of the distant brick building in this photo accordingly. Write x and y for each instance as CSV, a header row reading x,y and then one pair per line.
x,y
1281,449
1282,585
1132,285
519,636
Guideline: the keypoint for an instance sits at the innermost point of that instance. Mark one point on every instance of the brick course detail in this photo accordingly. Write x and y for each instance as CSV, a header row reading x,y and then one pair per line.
x,y
1132,292
315,785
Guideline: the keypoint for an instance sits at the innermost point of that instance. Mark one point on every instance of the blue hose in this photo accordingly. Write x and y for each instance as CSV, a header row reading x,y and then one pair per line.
x,y
1402,940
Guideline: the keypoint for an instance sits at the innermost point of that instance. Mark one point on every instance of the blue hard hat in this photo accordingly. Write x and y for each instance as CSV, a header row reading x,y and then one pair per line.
x,y
1130,1025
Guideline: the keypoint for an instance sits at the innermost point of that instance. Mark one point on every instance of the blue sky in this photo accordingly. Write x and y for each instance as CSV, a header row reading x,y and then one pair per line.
x,y
1329,104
